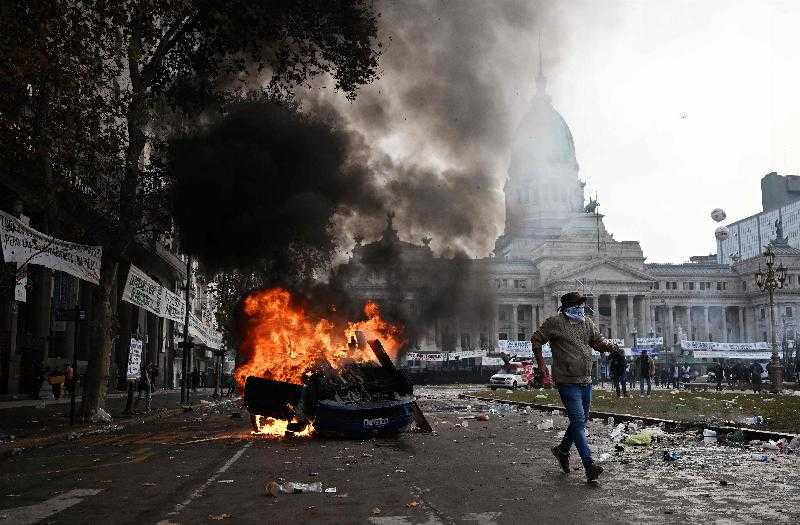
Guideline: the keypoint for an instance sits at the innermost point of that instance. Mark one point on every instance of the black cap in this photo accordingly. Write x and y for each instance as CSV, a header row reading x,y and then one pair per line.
x,y
572,299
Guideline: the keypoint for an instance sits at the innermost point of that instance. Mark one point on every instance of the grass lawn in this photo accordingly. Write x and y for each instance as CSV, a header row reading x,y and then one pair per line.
x,y
782,413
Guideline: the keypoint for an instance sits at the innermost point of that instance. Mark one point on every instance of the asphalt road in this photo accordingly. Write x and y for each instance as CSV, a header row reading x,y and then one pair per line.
x,y
205,467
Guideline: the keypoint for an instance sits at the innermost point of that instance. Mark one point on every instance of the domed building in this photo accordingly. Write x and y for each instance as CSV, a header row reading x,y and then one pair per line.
x,y
554,242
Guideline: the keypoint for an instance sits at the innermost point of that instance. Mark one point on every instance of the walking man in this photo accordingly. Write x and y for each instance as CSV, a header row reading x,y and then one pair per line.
x,y
644,372
572,336
617,365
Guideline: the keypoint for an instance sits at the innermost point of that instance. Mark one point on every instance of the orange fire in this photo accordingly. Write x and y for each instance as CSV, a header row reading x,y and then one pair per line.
x,y
282,341
272,427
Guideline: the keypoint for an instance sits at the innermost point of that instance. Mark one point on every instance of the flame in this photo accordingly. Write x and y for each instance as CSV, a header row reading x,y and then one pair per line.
x,y
281,341
271,427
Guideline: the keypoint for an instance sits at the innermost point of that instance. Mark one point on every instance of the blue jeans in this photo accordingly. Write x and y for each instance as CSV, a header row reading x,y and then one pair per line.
x,y
576,399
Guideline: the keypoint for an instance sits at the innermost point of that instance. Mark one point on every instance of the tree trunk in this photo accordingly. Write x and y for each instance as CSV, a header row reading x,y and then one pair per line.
x,y
102,321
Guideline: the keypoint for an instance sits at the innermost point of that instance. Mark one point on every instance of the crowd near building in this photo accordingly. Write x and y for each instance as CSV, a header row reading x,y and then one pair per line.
x,y
554,241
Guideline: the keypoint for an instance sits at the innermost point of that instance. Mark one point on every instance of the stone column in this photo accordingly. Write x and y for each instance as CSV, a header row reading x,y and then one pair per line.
x,y
629,317
538,312
652,317
742,333
613,322
706,324
644,310
514,323
591,301
669,336
724,324
689,322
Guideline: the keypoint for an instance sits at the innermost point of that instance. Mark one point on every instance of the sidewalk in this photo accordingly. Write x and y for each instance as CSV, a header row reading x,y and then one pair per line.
x,y
65,400
26,418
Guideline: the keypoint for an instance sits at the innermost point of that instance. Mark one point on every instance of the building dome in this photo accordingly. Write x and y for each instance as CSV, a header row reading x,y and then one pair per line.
x,y
542,189
543,146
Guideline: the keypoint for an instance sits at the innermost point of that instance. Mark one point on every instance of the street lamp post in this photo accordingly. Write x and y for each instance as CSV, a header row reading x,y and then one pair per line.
x,y
770,280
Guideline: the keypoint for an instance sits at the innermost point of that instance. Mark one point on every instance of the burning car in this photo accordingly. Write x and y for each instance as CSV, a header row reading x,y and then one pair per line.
x,y
299,375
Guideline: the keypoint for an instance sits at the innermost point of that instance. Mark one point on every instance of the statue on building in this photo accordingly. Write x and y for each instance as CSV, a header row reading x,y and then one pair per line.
x,y
780,239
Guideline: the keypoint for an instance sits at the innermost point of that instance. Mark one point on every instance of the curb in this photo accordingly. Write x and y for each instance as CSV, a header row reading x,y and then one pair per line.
x,y
11,447
669,424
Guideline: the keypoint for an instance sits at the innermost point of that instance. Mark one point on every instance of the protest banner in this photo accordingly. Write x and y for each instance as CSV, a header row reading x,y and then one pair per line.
x,y
135,360
24,245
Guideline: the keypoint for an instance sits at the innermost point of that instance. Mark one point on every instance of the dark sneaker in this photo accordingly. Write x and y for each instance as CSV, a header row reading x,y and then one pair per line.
x,y
593,472
563,459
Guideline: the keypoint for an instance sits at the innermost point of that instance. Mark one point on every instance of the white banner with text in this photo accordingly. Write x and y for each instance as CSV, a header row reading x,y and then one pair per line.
x,y
24,245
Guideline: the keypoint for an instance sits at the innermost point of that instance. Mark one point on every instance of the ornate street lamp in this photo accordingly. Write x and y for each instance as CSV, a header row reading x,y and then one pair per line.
x,y
770,280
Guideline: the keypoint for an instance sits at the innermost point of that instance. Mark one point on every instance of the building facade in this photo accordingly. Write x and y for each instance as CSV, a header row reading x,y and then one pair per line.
x,y
555,242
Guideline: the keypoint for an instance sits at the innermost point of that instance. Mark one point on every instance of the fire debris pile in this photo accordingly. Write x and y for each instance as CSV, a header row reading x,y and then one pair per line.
x,y
301,374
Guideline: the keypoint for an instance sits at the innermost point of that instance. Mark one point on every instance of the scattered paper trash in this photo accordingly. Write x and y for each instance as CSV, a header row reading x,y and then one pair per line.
x,y
618,433
225,481
101,416
482,417
759,457
547,424
330,490
709,433
218,517
770,445
294,487
605,456
671,455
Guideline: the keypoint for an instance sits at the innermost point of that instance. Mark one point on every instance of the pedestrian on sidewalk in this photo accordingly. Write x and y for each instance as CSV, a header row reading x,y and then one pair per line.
x,y
644,372
572,336
145,389
676,376
617,365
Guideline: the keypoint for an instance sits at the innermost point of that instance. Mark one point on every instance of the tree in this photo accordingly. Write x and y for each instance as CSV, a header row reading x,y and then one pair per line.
x,y
176,54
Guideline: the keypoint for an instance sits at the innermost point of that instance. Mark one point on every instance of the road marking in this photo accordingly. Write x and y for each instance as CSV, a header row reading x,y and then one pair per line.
x,y
199,492
36,513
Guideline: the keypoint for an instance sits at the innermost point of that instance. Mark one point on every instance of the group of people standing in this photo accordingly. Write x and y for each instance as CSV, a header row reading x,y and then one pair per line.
x,y
622,372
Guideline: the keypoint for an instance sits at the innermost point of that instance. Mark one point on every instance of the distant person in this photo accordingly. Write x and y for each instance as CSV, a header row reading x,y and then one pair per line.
x,y
572,337
719,375
676,376
644,372
755,376
617,366
730,373
145,389
633,368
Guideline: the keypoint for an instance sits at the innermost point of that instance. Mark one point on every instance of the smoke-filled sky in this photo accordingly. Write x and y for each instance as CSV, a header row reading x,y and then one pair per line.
x,y
676,107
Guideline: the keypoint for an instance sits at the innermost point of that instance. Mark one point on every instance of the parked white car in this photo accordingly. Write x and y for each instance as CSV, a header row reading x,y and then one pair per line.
x,y
507,380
